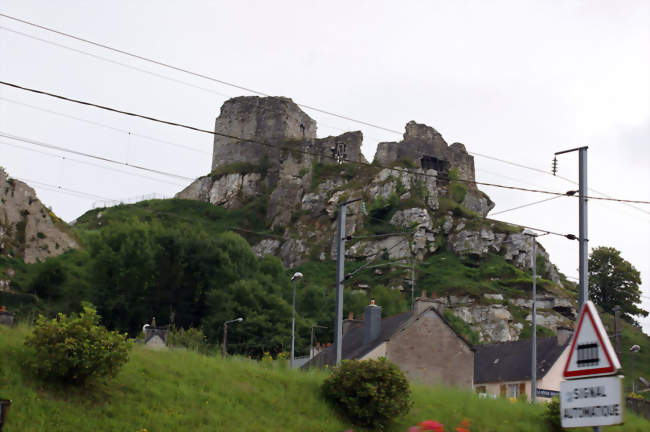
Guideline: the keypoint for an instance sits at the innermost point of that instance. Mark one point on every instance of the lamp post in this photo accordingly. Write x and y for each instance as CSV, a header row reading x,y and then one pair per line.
x,y
295,278
224,350
634,349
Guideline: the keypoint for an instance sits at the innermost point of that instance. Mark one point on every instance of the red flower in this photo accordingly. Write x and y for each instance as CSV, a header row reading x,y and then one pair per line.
x,y
431,425
466,423
461,429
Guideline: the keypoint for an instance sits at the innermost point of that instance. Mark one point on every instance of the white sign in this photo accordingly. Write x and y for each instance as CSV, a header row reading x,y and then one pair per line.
x,y
591,402
591,351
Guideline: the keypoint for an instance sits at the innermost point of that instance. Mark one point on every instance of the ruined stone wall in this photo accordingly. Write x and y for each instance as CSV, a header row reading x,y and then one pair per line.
x,y
421,140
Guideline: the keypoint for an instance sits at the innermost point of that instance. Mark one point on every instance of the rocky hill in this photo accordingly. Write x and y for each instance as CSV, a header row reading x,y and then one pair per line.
x,y
420,197
28,230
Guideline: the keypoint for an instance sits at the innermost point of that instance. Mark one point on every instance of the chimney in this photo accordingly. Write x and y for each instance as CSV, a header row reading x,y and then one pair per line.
x,y
563,335
423,303
350,323
371,323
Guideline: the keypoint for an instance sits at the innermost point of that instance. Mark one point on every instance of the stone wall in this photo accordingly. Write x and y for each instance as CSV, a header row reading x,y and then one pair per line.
x,y
429,352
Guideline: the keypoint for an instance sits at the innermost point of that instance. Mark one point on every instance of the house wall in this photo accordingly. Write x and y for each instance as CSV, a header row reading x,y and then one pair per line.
x,y
379,351
429,352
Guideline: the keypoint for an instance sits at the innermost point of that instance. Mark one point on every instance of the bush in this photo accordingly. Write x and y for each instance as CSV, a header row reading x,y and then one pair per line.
x,y
552,416
75,348
370,393
191,339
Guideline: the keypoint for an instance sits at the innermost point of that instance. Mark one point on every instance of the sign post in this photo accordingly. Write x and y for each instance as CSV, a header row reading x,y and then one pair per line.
x,y
591,396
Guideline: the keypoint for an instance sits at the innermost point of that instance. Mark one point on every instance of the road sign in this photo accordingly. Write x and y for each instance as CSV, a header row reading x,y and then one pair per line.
x,y
547,393
591,352
591,402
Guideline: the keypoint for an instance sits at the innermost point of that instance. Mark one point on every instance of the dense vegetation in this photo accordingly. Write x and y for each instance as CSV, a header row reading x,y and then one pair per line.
x,y
184,390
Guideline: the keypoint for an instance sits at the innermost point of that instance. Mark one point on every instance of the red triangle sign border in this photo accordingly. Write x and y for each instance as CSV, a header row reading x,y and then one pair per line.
x,y
589,309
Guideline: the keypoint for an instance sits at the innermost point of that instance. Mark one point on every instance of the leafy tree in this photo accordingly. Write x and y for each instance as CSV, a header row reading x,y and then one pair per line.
x,y
614,282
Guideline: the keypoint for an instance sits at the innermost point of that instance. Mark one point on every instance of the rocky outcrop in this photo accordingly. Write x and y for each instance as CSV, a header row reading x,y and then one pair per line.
x,y
28,230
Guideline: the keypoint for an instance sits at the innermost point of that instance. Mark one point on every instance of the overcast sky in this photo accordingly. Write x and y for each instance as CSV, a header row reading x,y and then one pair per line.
x,y
515,80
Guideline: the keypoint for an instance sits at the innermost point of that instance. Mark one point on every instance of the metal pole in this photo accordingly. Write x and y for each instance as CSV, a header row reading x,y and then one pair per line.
x,y
293,325
225,338
582,211
533,357
633,386
412,273
311,344
617,335
340,262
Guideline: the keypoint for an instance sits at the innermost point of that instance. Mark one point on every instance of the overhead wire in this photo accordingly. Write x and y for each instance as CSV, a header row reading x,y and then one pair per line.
x,y
250,90
189,72
61,189
103,125
88,155
287,148
525,205
90,164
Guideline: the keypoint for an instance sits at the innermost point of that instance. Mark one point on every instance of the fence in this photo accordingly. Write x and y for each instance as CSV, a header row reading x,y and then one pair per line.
x,y
131,200
641,407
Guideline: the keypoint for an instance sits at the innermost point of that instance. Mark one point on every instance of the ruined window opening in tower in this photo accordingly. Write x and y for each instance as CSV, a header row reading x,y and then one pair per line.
x,y
431,162
339,152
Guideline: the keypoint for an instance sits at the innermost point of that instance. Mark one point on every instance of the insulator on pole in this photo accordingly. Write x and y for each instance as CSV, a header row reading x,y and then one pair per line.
x,y
554,168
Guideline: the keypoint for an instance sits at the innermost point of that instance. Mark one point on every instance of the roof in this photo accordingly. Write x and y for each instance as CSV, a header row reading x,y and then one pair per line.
x,y
353,347
510,361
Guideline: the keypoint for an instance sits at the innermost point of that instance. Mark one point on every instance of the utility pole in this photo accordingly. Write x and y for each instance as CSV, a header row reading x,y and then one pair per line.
x,y
617,329
533,367
340,277
583,267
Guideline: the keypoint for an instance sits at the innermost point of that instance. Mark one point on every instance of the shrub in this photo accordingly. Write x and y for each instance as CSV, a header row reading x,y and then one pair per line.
x,y
552,416
370,393
191,339
75,348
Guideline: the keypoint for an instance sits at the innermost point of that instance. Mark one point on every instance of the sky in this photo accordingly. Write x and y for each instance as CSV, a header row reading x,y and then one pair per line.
x,y
512,80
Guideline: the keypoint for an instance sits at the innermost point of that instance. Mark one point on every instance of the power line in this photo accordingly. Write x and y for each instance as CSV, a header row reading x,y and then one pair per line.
x,y
103,125
291,149
189,72
223,82
64,190
525,205
102,158
89,163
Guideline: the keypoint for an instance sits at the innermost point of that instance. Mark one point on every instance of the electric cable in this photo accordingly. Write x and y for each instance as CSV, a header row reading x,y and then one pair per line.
x,y
90,164
223,82
103,125
294,150
61,189
88,155
525,205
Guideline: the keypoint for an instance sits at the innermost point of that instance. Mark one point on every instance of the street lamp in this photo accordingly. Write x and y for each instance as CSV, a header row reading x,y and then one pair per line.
x,y
225,335
295,278
634,349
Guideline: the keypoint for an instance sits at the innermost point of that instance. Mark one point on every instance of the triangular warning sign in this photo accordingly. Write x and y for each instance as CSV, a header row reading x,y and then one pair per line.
x,y
591,351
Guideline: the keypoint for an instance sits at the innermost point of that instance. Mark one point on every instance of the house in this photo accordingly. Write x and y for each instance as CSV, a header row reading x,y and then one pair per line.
x,y
420,342
504,369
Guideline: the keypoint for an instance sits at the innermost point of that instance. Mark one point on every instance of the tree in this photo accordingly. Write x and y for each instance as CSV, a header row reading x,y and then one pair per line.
x,y
614,282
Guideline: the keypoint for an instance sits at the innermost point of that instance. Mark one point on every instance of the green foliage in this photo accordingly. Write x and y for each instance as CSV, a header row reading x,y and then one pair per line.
x,y
383,208
371,393
74,349
241,168
615,282
457,191
48,280
191,339
461,327
552,416
453,174
542,332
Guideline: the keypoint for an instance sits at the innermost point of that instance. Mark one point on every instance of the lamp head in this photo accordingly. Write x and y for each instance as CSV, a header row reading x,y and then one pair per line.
x,y
240,319
296,276
635,348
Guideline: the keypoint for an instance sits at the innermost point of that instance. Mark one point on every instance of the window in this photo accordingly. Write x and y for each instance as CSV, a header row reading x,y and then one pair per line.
x,y
513,390
480,389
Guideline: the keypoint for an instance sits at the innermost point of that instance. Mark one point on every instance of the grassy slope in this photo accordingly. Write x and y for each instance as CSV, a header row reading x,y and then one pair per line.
x,y
165,391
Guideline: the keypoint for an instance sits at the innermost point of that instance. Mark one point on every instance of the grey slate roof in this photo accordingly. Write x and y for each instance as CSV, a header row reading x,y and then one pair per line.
x,y
511,361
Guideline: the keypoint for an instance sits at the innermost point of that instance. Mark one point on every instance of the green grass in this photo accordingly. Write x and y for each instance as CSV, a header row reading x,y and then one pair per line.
x,y
187,391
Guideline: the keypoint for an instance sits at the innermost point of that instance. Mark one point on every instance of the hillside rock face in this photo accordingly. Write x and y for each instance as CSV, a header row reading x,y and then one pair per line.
x,y
28,230
420,185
